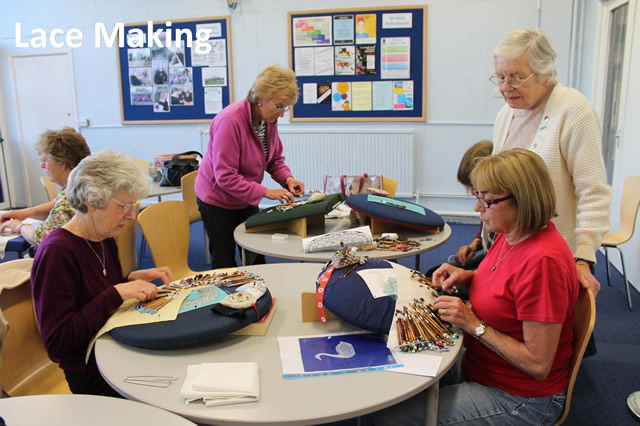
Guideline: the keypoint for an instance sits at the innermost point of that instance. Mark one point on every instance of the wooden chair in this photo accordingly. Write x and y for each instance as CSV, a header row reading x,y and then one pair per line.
x,y
165,226
126,241
583,322
187,184
49,189
26,368
390,185
628,213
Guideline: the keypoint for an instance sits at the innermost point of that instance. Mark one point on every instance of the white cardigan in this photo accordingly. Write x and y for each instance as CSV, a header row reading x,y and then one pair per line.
x,y
570,143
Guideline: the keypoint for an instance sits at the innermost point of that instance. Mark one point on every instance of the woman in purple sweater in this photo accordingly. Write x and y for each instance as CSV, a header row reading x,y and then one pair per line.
x,y
76,276
243,144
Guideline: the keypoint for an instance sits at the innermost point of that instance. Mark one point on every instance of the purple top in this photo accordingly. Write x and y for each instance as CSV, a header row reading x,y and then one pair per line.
x,y
233,167
73,299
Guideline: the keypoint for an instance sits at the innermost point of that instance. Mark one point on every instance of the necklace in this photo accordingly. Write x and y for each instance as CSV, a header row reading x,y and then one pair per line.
x,y
102,261
500,259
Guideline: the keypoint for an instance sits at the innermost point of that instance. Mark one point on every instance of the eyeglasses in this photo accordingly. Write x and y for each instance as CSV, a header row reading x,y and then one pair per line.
x,y
487,204
280,109
515,82
126,208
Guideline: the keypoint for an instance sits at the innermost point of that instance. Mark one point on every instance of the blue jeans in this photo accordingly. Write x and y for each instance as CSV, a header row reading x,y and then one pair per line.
x,y
476,404
470,403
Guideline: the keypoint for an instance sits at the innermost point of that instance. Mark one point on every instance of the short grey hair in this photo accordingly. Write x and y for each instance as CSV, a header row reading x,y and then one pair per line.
x,y
540,55
99,176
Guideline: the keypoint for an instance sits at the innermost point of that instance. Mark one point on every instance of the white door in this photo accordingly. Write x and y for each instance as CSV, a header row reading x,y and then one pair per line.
x,y
45,97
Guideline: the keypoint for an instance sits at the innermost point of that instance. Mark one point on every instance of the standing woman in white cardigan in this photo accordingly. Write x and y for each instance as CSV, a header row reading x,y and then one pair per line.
x,y
559,124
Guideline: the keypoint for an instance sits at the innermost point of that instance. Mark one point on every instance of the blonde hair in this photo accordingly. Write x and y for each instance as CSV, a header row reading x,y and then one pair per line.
x,y
470,158
523,174
275,80
540,55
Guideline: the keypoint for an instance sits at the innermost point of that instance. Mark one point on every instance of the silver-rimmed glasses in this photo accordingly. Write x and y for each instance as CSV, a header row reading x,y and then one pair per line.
x,y
280,109
513,81
126,208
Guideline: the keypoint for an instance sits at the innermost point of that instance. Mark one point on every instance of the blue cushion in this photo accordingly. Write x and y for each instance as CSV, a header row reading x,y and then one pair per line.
x,y
398,212
349,299
189,328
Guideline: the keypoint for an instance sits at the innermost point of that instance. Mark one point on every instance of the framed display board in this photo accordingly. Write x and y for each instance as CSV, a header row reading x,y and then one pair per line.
x,y
365,64
175,71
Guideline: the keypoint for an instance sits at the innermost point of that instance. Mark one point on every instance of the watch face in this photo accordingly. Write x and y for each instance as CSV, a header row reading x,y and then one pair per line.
x,y
479,330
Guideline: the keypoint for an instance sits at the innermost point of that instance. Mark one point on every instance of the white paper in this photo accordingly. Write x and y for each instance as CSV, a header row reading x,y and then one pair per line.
x,y
377,280
362,229
323,60
396,20
214,76
215,29
395,57
419,364
310,93
212,100
304,61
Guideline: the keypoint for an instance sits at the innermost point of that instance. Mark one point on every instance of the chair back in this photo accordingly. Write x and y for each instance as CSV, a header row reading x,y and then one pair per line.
x,y
25,368
390,185
188,182
165,226
126,241
583,322
628,212
142,164
49,189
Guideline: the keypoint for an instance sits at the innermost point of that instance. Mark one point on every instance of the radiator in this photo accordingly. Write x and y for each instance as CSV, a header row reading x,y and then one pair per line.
x,y
313,153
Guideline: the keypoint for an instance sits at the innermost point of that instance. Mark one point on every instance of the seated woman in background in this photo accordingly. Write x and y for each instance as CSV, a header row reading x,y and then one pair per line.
x,y
519,323
467,256
60,151
76,276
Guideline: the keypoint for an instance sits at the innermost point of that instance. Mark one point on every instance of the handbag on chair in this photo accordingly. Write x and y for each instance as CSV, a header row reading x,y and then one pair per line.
x,y
177,167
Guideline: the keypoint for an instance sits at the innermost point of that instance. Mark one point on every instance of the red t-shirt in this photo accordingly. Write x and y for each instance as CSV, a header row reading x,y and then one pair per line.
x,y
535,281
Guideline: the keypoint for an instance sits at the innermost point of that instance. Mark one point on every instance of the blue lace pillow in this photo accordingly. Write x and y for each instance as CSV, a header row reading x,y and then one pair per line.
x,y
399,212
349,298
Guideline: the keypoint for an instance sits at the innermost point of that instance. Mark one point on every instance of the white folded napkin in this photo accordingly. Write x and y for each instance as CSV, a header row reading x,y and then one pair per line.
x,y
222,383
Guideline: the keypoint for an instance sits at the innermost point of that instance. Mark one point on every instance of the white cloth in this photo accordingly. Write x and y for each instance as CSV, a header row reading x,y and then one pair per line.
x,y
222,383
569,140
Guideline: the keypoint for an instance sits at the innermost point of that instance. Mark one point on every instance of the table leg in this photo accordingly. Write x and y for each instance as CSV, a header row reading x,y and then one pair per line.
x,y
243,255
417,262
431,415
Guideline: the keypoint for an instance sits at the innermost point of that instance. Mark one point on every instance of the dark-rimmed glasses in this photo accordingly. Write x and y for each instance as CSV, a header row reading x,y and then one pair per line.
x,y
515,82
487,204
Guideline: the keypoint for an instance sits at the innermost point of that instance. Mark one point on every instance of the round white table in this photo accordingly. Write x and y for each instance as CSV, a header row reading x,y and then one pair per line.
x,y
292,401
82,410
291,248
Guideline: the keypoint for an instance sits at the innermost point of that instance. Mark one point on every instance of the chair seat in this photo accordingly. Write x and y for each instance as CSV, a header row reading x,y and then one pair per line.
x,y
613,239
47,379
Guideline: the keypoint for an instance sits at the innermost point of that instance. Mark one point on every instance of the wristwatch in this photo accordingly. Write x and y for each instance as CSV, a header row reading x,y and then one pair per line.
x,y
480,329
588,262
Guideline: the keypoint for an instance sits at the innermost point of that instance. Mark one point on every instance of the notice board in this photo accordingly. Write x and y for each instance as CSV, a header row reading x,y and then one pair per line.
x,y
364,64
175,71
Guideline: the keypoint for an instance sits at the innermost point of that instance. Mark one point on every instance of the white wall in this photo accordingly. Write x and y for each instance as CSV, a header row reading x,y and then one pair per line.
x,y
460,108
627,163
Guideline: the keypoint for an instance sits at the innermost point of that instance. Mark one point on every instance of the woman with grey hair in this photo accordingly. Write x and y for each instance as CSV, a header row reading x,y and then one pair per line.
x,y
76,276
243,144
559,124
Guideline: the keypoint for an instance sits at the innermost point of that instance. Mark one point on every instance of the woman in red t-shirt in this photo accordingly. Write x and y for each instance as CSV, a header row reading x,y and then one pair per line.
x,y
519,319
